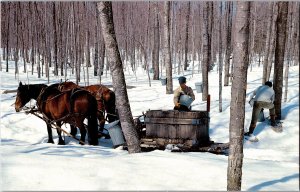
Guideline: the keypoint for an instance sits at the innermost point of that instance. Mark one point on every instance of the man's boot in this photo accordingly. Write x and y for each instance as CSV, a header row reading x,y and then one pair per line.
x,y
273,121
251,129
249,135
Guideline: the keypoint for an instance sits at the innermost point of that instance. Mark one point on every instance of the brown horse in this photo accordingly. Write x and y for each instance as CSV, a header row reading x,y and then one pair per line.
x,y
105,101
71,106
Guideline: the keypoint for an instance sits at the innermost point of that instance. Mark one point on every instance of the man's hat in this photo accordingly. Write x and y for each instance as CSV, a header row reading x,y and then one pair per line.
x,y
269,83
182,80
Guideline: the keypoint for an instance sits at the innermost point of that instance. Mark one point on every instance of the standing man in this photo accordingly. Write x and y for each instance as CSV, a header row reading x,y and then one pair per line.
x,y
262,97
183,89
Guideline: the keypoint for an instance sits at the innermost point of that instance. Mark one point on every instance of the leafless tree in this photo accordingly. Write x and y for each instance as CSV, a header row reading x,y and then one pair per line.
x,y
238,95
122,102
155,54
228,50
188,13
272,42
281,24
167,51
220,58
206,50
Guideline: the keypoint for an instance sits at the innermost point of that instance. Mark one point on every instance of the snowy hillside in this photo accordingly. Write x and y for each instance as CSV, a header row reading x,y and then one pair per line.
x,y
28,163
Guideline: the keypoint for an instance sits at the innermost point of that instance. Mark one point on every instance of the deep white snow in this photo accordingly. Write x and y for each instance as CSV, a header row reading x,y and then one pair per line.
x,y
29,163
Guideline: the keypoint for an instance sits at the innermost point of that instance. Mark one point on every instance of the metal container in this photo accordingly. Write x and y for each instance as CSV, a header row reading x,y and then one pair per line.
x,y
185,100
115,133
199,87
151,70
163,81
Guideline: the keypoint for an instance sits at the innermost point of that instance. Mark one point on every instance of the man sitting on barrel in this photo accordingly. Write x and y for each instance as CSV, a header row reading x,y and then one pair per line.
x,y
183,89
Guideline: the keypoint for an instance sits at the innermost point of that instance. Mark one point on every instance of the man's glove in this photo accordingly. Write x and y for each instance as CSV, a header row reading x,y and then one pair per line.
x,y
177,104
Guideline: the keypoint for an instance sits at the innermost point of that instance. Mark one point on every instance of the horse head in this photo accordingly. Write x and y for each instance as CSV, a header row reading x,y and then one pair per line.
x,y
23,97
27,92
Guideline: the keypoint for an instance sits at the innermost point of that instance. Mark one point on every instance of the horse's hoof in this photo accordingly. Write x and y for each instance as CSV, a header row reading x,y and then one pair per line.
x,y
81,143
94,144
61,143
50,141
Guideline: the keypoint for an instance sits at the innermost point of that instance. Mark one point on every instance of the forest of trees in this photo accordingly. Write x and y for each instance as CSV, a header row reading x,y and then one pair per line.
x,y
68,34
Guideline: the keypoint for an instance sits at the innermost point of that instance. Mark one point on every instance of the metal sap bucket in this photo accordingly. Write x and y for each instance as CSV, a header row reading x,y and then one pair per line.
x,y
199,87
163,81
115,133
185,100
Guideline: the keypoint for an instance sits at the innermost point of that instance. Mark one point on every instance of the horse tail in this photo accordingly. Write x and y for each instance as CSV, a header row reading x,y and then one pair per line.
x,y
92,120
72,101
110,107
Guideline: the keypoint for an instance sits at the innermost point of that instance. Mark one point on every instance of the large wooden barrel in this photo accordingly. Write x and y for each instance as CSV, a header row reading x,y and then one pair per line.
x,y
178,126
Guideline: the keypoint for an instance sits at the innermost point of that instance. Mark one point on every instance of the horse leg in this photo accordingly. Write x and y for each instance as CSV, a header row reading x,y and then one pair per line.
x,y
92,129
101,120
82,129
60,140
73,130
50,138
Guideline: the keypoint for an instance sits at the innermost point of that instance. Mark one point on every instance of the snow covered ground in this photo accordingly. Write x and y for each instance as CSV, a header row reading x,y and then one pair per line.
x,y
28,163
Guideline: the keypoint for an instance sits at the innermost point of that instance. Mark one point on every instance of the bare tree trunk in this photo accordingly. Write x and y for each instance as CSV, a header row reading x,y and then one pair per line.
x,y
22,37
272,42
194,43
252,50
206,51
66,45
179,46
60,32
228,21
279,55
88,53
238,96
169,87
155,54
174,36
122,102
96,52
210,35
267,46
220,58
16,35
55,39
7,36
187,36
102,57
287,65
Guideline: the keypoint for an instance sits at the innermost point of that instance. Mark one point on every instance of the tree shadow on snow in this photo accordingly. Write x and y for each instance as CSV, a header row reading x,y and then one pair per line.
x,y
286,110
273,182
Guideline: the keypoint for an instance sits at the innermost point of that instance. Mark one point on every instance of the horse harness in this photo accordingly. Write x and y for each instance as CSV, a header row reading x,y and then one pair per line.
x,y
72,114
